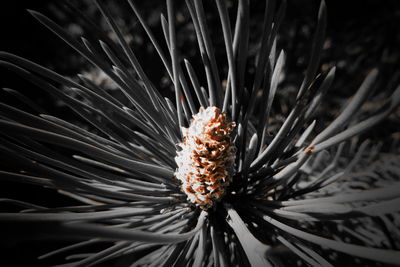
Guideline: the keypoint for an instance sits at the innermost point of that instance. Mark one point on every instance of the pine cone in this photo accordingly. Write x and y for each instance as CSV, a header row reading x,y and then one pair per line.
x,y
206,159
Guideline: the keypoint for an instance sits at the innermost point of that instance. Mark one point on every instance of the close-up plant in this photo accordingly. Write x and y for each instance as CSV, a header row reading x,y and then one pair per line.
x,y
231,162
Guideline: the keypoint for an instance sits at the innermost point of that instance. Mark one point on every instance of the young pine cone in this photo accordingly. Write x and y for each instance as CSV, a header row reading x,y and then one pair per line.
x,y
206,160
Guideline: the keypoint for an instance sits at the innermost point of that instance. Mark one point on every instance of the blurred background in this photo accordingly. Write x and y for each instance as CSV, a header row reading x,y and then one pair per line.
x,y
361,35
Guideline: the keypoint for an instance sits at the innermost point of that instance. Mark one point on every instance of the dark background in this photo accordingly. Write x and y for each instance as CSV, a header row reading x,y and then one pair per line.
x,y
371,24
363,34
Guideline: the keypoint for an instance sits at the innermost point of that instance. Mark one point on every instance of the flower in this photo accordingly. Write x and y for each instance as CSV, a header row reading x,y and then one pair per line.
x,y
252,188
